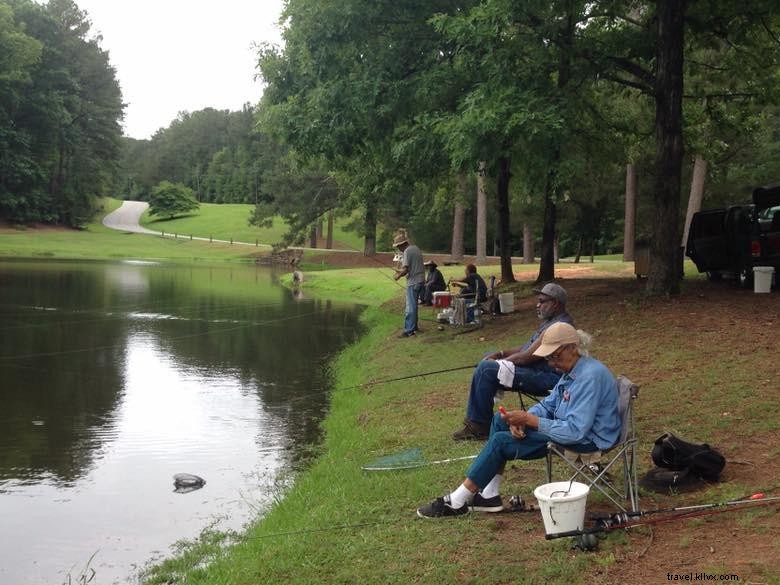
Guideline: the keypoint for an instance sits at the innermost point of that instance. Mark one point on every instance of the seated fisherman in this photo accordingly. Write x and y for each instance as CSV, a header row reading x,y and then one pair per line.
x,y
516,367
580,413
472,285
434,282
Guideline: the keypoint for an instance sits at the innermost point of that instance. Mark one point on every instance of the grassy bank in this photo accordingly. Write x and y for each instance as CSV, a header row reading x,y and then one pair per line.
x,y
97,242
339,524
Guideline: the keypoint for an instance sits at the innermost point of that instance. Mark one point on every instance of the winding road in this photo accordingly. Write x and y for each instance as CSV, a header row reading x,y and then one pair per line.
x,y
126,218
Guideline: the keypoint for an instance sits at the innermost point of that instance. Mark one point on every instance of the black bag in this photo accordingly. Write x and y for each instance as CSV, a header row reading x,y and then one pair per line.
x,y
671,452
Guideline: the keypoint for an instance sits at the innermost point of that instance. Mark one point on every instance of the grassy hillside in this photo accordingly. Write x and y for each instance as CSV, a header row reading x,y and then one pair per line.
x,y
98,242
229,220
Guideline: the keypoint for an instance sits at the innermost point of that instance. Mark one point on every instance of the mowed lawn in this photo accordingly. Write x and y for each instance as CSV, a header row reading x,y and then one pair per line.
x,y
231,220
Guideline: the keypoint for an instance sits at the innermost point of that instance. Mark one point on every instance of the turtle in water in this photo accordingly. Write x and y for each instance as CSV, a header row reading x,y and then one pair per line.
x,y
185,483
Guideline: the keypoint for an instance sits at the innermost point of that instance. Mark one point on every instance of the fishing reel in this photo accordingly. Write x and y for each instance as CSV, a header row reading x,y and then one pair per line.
x,y
608,521
588,541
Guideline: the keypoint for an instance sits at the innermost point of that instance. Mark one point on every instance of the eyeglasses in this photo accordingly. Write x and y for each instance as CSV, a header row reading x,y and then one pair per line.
x,y
556,354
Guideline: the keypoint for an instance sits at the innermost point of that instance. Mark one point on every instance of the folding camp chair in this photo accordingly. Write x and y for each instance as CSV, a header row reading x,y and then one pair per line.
x,y
590,467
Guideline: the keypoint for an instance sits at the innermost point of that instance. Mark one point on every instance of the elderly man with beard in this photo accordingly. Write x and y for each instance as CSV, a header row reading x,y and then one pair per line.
x,y
515,367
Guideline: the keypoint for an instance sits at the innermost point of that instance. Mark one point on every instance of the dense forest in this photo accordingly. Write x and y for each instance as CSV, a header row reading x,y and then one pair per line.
x,y
481,126
60,114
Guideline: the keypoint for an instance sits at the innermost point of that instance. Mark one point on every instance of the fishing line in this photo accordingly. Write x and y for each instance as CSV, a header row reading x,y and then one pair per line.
x,y
138,312
176,338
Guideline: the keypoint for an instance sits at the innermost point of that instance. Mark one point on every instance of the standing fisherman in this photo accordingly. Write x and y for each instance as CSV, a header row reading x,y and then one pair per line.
x,y
412,268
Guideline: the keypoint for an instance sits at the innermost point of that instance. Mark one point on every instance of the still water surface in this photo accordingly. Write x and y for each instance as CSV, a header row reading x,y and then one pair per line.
x,y
114,377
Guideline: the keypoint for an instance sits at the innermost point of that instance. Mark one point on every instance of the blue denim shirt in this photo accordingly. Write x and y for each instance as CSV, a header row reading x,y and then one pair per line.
x,y
582,408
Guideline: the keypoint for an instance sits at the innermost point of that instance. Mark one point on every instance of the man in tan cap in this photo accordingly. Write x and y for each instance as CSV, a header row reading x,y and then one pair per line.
x,y
580,413
414,271
515,367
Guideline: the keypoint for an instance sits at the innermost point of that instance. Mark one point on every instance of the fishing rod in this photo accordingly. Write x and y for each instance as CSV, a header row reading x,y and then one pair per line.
x,y
447,370
388,380
626,519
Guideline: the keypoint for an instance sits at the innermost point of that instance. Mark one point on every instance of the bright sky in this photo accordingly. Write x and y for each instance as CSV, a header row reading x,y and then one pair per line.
x,y
174,55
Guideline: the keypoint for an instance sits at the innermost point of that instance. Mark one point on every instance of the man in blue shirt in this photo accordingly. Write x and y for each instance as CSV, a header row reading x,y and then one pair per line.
x,y
581,413
532,374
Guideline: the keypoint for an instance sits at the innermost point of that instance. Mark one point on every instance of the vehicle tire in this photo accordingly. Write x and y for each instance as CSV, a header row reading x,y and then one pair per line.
x,y
714,276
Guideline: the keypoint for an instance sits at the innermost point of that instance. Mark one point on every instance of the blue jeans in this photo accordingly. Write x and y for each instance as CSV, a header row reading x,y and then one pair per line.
x,y
502,447
484,386
410,314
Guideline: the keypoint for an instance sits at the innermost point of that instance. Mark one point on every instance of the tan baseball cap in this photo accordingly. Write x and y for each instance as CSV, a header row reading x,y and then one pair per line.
x,y
555,336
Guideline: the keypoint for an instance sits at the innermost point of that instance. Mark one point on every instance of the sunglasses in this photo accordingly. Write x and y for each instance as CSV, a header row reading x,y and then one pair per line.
x,y
556,354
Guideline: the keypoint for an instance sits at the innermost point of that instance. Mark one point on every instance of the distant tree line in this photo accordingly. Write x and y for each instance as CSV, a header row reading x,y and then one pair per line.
x,y
216,153
60,114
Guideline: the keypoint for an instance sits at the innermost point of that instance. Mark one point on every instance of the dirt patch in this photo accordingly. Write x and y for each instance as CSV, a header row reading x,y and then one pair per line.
x,y
707,364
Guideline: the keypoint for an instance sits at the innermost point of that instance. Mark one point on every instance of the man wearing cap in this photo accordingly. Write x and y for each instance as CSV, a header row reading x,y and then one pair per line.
x,y
412,268
517,367
434,282
581,413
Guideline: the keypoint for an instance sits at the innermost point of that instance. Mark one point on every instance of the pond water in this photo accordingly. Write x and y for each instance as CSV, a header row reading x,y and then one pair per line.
x,y
116,376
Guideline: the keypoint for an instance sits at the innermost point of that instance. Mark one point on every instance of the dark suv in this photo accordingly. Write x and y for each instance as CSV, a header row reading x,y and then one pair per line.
x,y
730,242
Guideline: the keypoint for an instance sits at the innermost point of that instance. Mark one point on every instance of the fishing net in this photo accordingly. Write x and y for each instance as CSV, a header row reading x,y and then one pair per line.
x,y
409,459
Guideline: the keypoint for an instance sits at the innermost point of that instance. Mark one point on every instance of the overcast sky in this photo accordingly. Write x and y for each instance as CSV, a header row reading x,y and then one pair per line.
x,y
174,55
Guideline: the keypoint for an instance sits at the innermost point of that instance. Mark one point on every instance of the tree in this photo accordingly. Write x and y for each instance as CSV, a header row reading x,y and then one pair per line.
x,y
63,131
171,199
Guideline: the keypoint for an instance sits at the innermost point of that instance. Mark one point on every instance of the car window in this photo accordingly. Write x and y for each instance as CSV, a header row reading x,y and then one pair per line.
x,y
769,212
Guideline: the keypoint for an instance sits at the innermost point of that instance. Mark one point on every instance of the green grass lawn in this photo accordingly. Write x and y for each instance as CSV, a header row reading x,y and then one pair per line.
x,y
96,241
230,220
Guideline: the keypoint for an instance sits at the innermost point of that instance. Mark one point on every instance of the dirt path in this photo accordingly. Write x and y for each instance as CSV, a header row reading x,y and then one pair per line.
x,y
126,218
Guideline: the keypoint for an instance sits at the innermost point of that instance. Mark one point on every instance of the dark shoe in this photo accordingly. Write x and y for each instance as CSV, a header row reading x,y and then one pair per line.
x,y
440,508
472,431
406,334
481,504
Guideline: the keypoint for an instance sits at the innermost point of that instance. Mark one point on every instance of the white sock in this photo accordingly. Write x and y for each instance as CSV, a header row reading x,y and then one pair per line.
x,y
461,496
493,488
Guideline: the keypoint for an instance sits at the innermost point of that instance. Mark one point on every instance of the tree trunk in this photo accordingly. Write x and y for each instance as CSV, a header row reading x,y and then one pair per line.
x,y
369,229
547,257
459,221
481,216
502,206
593,250
329,240
579,250
549,254
313,236
664,272
528,244
697,194
629,230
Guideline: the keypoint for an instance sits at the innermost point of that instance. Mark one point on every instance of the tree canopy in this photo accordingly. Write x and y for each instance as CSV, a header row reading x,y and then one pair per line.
x,y
60,114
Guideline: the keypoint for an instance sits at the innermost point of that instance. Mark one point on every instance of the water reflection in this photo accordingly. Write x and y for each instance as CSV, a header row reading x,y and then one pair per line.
x,y
116,377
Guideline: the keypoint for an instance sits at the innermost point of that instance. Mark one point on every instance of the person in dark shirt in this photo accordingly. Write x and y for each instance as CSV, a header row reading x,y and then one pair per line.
x,y
472,286
434,282
525,371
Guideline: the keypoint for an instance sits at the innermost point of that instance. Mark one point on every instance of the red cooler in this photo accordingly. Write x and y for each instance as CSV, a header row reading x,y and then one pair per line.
x,y
442,299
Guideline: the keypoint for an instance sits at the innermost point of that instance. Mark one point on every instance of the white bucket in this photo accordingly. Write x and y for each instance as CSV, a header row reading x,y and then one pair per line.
x,y
762,278
562,505
506,302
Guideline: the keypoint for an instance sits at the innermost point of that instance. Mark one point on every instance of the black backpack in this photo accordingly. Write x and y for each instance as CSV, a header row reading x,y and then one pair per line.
x,y
671,452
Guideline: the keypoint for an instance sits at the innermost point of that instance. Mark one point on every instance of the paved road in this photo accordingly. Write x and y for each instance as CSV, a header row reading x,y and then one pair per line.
x,y
126,218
